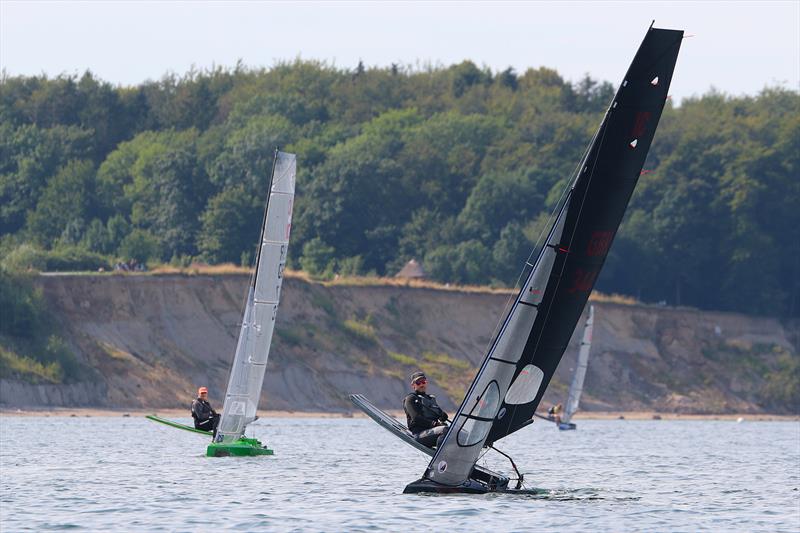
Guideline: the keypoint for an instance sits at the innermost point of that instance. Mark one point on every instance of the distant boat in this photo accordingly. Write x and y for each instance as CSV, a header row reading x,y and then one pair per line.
x,y
534,335
258,322
576,387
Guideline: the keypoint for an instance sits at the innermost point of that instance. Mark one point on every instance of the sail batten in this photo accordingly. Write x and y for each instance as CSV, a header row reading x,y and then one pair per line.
x,y
255,335
535,333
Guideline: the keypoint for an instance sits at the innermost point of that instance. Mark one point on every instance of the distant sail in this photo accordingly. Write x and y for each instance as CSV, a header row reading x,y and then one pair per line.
x,y
525,354
576,388
255,336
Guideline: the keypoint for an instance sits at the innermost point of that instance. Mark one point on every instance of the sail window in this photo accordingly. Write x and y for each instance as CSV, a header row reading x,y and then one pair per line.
x,y
634,143
526,386
479,420
654,81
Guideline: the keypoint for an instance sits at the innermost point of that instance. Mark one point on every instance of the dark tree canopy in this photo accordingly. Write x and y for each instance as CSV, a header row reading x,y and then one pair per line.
x,y
457,167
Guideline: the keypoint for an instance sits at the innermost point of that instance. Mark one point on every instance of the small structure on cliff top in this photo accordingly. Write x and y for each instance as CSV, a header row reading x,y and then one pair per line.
x,y
412,270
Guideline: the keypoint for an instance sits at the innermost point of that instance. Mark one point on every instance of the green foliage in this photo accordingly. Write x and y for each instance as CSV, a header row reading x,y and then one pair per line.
x,y
317,258
65,202
16,366
231,223
20,305
465,262
26,257
74,258
29,345
447,360
402,358
140,245
360,331
782,387
457,166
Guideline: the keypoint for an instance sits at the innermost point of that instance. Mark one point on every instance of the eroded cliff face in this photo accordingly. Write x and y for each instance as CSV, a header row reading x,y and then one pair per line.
x,y
151,340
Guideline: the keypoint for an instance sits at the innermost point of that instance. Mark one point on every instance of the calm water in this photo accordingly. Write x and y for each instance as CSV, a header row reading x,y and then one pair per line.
x,y
348,475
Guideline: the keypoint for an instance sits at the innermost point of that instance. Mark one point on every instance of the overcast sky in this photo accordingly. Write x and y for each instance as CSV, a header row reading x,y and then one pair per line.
x,y
737,47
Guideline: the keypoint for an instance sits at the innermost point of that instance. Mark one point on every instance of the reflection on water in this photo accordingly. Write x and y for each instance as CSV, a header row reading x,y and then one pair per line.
x,y
349,474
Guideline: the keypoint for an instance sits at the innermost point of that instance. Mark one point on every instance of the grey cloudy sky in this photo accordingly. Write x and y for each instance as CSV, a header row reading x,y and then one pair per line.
x,y
737,47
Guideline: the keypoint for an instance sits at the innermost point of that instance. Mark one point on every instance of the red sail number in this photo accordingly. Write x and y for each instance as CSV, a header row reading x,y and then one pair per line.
x,y
640,123
582,281
599,242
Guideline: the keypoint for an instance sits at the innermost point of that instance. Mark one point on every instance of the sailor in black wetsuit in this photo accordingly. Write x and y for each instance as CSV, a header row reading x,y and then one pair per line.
x,y
205,417
426,420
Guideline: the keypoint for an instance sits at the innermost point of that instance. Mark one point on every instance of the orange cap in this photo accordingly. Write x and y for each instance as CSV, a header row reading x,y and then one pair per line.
x,y
201,390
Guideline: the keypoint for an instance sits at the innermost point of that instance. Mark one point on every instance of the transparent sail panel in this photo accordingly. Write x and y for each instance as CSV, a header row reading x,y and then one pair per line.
x,y
479,420
526,386
255,337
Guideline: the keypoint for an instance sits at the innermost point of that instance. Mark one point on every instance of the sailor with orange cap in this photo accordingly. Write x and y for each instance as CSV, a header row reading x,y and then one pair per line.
x,y
205,417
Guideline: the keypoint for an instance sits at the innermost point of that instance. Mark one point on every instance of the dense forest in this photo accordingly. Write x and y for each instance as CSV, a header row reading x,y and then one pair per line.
x,y
458,167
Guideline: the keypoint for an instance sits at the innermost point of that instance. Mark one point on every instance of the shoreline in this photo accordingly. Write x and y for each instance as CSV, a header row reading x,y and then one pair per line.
x,y
87,412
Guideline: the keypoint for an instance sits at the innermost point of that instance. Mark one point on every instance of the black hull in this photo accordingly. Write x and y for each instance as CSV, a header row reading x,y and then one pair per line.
x,y
481,481
423,485
426,486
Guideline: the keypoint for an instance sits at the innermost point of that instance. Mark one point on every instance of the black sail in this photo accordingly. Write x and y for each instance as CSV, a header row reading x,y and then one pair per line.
x,y
556,291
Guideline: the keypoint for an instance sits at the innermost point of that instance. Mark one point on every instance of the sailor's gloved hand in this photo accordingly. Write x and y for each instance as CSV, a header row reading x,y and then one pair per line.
x,y
444,417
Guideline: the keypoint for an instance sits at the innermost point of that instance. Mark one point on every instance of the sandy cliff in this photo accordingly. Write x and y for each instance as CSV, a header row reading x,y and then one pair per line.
x,y
150,340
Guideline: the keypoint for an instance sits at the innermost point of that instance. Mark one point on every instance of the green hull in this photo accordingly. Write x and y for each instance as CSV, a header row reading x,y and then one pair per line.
x,y
243,447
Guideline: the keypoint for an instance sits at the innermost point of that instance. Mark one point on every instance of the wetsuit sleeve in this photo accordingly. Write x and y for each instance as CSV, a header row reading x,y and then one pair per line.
x,y
442,415
201,411
412,408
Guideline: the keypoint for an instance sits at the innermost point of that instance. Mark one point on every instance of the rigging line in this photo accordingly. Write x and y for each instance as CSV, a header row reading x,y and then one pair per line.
x,y
520,477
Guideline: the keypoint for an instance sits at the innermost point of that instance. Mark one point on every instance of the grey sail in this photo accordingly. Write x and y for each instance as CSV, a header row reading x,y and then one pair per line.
x,y
576,387
258,323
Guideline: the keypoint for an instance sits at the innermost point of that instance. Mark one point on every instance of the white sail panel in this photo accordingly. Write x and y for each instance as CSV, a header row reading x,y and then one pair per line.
x,y
279,217
258,324
271,263
454,460
526,386
576,387
512,342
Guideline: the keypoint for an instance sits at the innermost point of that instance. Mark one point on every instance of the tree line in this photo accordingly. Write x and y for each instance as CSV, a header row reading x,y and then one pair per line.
x,y
458,167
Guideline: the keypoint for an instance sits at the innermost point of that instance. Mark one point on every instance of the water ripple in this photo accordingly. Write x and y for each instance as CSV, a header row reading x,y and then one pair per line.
x,y
128,474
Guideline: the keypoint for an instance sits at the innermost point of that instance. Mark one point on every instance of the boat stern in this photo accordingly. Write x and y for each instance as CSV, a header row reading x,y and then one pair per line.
x,y
244,447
